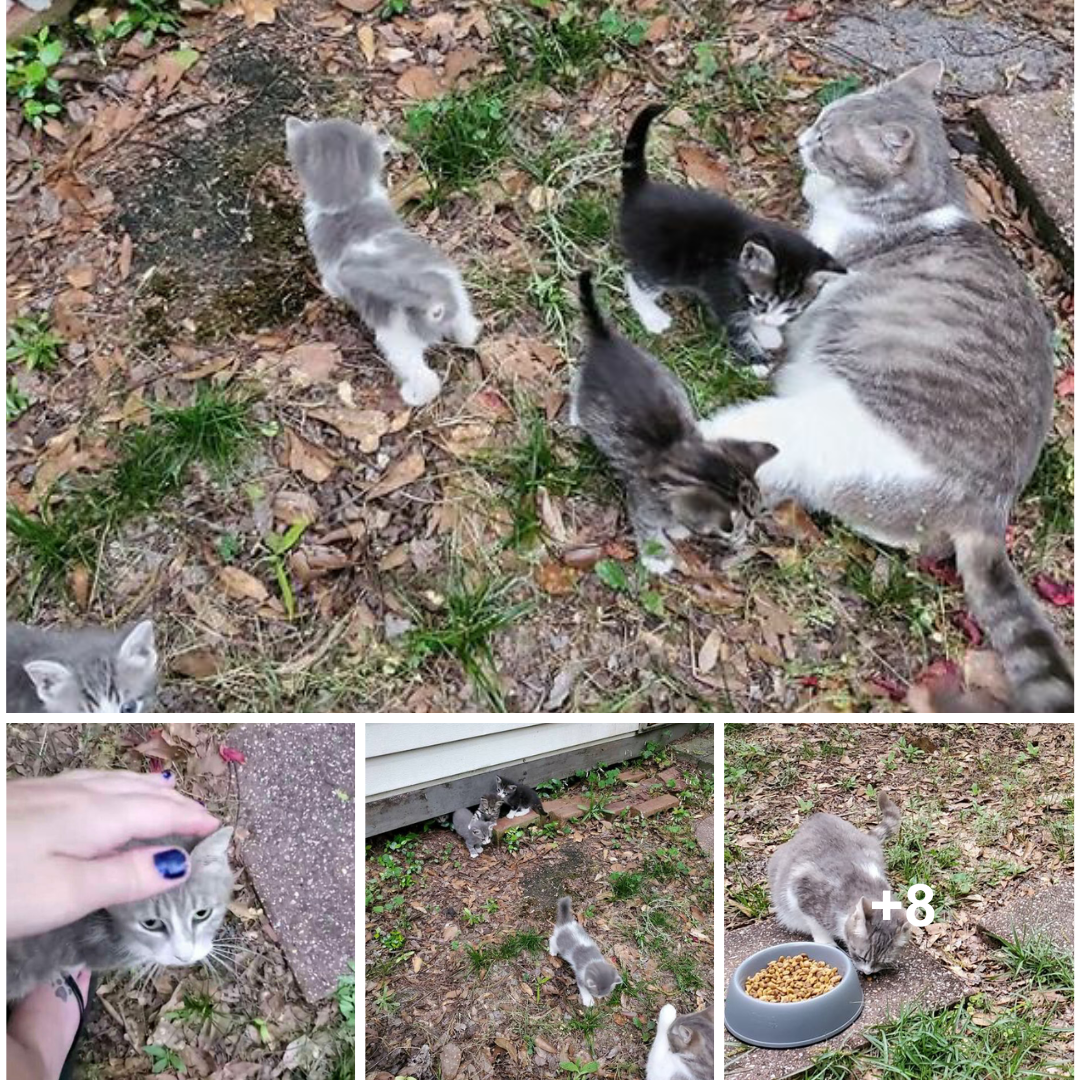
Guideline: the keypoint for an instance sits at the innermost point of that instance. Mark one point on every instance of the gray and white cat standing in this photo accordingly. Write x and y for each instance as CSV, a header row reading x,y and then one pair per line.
x,y
174,928
80,671
596,978
683,1048
408,293
824,879
918,387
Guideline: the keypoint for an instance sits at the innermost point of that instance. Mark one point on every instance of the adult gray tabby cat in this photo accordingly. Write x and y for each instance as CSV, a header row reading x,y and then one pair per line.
x,y
596,978
174,929
683,1047
824,879
80,671
405,290
917,390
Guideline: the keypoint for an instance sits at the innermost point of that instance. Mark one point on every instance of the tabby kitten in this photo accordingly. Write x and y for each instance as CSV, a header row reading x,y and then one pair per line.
x,y
476,828
174,928
403,289
596,978
917,389
824,879
638,415
683,1048
80,671
520,798
754,274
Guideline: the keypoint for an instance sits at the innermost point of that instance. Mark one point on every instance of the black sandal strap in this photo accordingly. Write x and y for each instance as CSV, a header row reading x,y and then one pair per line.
x,y
73,986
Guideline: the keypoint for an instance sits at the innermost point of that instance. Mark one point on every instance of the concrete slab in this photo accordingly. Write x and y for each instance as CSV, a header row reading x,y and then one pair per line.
x,y
1046,911
919,978
1031,136
523,821
655,806
977,51
696,749
564,810
703,830
298,810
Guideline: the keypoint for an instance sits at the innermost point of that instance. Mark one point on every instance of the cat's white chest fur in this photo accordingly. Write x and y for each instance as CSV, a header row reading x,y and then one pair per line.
x,y
832,224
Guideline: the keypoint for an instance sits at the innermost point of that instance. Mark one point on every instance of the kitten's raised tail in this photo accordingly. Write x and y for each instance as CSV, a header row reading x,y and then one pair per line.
x,y
634,170
594,317
565,914
890,818
1035,662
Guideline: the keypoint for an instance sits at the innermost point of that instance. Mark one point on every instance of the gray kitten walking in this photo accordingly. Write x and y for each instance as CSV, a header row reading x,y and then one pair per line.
x,y
918,387
174,928
80,671
405,290
596,978
824,879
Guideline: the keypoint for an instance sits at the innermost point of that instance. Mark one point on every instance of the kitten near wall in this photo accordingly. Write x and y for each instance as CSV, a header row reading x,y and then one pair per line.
x,y
823,880
754,274
408,293
520,799
638,415
174,929
80,671
596,978
917,389
476,828
683,1047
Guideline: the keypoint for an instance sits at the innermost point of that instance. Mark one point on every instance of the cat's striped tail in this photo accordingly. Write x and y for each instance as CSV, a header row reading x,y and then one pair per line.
x,y
565,914
1036,664
634,171
890,818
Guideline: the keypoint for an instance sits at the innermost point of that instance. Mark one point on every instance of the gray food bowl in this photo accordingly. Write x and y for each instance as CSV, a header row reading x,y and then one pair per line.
x,y
782,1025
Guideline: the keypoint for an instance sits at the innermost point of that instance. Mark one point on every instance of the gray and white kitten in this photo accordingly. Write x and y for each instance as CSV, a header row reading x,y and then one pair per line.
x,y
824,879
596,978
683,1048
408,293
80,671
755,275
918,388
476,828
174,929
640,418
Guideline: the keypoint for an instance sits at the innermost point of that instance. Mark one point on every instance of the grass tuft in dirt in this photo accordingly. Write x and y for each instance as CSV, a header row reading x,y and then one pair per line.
x,y
509,948
1047,965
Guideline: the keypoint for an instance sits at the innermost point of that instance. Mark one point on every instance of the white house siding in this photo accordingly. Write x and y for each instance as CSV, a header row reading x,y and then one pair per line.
x,y
404,757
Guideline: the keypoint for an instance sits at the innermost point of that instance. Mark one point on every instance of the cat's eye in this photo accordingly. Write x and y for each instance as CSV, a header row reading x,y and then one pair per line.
x,y
129,706
201,915
154,925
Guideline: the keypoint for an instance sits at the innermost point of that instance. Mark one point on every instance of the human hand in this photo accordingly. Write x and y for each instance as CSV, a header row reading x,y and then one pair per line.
x,y
62,836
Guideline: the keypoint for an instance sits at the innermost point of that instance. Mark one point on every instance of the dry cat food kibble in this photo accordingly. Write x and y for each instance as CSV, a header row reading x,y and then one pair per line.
x,y
792,978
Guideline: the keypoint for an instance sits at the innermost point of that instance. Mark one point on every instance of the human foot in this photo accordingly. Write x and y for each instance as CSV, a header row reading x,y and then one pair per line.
x,y
43,1027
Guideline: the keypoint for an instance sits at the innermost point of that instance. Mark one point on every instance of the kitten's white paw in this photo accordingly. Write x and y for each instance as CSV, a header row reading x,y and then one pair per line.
x,y
586,998
658,564
655,321
677,532
466,331
474,854
421,388
761,370
768,337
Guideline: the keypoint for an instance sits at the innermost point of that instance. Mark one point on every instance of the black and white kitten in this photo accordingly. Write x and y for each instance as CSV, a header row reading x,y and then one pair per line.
x,y
596,978
520,798
754,274
639,416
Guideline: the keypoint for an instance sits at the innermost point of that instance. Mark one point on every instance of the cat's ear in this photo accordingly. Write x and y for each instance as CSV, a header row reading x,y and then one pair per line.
x,y
925,78
137,651
213,848
750,456
755,258
680,1036
858,919
897,140
53,681
293,126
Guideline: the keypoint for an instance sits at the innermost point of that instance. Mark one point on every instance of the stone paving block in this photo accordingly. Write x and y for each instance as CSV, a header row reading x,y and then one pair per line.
x,y
298,807
703,830
696,749
1046,910
919,978
632,776
563,810
523,821
617,807
1031,136
655,806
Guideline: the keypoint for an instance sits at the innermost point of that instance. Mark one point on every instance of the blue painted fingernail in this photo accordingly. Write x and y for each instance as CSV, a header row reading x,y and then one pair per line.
x,y
171,864
166,775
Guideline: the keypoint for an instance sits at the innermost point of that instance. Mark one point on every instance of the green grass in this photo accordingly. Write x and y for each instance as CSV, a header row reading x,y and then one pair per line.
x,y
32,343
510,948
153,463
1051,488
471,616
460,137
30,65
891,586
755,898
625,885
1045,964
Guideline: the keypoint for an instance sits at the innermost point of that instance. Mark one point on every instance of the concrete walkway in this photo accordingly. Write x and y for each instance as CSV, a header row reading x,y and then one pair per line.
x,y
298,810
1044,910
